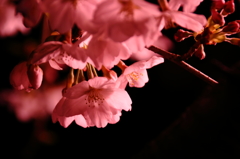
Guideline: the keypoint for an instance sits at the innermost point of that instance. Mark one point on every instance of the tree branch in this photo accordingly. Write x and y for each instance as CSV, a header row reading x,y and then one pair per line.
x,y
177,60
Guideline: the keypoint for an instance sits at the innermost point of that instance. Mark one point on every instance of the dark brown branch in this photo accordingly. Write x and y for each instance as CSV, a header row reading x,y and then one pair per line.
x,y
177,60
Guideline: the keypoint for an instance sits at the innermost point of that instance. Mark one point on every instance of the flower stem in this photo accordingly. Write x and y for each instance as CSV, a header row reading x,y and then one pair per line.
x,y
46,31
177,60
191,51
68,37
77,77
163,5
70,78
94,71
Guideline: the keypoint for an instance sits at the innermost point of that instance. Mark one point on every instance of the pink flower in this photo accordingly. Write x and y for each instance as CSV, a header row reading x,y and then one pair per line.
x,y
188,5
38,104
136,74
32,11
123,20
10,21
63,14
98,100
105,52
57,53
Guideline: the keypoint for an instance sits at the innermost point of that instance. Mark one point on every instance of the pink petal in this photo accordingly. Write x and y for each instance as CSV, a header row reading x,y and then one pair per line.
x,y
72,107
61,15
189,21
98,82
65,121
119,99
115,118
80,120
153,61
77,90
121,31
46,51
55,65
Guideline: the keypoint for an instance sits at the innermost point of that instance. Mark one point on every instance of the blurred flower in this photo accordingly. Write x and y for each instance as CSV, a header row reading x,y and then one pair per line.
x,y
10,22
31,10
129,21
35,105
63,14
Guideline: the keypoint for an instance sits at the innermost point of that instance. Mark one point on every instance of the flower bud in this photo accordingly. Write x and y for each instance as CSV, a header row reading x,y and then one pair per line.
x,y
181,35
231,27
234,41
217,4
19,78
204,36
35,76
217,18
229,7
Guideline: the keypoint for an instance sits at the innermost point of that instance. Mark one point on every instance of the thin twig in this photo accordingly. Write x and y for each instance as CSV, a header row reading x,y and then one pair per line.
x,y
177,60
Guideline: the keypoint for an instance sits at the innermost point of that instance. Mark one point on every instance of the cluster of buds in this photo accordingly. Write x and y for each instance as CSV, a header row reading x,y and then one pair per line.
x,y
214,32
26,76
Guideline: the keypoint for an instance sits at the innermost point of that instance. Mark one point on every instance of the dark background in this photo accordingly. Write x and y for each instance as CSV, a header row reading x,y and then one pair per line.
x,y
175,116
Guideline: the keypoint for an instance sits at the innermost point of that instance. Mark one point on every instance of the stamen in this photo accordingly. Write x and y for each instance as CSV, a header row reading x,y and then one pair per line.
x,y
94,99
127,7
133,77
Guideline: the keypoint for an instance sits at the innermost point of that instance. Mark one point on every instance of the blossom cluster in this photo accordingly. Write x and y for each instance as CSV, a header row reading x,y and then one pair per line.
x,y
92,37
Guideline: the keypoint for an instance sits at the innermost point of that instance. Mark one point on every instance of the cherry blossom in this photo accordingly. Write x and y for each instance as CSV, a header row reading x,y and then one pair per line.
x,y
57,53
31,10
98,100
128,20
136,74
105,52
63,14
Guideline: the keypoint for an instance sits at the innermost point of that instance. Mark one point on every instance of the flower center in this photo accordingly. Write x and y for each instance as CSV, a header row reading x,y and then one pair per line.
x,y
127,7
133,77
74,2
94,99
